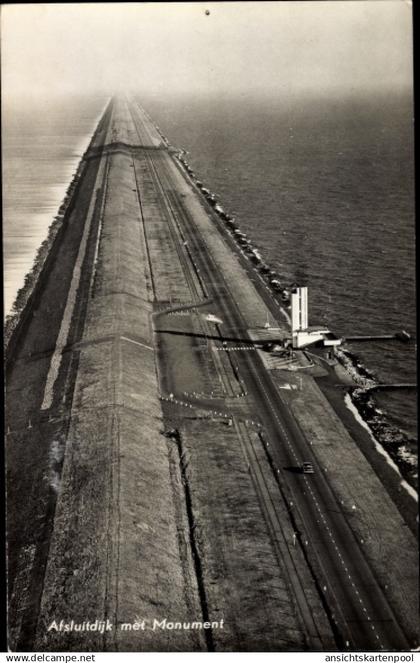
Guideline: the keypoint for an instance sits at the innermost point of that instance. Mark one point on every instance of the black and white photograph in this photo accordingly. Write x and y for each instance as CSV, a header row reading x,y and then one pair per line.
x,y
210,328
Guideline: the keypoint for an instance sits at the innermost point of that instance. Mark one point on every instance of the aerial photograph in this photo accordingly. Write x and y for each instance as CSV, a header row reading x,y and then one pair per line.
x,y
210,327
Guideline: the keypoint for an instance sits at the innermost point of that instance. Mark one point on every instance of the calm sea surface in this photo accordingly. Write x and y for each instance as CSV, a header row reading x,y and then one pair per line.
x,y
324,188
42,145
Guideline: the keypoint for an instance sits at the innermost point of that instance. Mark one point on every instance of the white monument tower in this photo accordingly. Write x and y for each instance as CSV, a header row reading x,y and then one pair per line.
x,y
299,309
302,334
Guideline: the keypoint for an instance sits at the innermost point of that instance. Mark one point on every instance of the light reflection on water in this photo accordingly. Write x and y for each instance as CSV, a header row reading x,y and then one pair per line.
x,y
42,147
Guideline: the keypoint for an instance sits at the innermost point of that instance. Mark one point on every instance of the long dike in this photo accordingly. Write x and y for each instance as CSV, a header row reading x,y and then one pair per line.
x,y
129,502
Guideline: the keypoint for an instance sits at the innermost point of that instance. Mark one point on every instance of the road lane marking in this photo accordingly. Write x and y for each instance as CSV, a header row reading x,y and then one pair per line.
x,y
311,491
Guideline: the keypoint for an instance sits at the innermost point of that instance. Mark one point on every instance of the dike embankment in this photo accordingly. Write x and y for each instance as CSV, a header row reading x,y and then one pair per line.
x,y
34,438
114,522
140,507
114,525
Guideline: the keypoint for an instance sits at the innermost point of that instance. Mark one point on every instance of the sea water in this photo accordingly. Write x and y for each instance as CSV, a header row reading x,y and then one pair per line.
x,y
323,186
43,141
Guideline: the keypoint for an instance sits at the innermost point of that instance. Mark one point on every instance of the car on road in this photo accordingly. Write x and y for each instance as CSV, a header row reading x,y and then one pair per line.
x,y
307,468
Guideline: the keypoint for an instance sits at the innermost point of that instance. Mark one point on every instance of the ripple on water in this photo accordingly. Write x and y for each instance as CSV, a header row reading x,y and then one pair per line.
x,y
41,149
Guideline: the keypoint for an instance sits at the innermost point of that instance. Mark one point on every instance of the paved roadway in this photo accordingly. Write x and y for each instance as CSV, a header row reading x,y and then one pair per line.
x,y
360,608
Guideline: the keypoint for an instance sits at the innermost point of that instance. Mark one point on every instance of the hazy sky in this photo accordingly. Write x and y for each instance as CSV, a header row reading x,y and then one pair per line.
x,y
239,46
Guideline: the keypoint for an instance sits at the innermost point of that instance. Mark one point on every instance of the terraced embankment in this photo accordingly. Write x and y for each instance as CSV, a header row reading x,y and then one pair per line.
x,y
152,464
36,438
